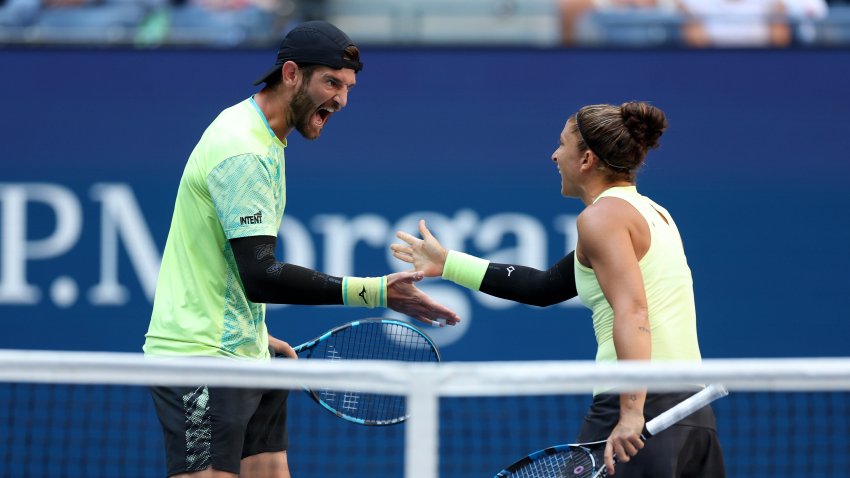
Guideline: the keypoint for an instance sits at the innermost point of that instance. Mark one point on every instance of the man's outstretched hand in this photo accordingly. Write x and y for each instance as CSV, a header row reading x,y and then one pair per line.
x,y
406,298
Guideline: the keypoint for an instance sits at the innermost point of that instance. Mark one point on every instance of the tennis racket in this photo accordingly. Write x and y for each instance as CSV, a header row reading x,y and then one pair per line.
x,y
585,460
368,339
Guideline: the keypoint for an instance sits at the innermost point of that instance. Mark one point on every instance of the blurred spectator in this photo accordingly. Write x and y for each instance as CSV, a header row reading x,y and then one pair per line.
x,y
230,22
17,13
748,23
216,22
574,11
89,21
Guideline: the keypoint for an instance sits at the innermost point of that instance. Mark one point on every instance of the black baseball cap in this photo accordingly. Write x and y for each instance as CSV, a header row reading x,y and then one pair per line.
x,y
314,42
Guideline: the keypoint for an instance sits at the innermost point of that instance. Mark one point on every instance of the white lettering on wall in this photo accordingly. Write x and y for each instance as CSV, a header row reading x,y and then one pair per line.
x,y
121,219
341,235
332,241
17,249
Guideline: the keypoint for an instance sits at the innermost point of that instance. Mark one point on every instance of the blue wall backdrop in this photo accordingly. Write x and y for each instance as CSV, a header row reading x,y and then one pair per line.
x,y
754,168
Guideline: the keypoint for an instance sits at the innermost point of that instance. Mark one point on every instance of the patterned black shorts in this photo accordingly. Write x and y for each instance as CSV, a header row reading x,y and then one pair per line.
x,y
216,427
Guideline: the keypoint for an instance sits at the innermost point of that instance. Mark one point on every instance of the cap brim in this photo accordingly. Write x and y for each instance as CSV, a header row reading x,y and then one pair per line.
x,y
267,74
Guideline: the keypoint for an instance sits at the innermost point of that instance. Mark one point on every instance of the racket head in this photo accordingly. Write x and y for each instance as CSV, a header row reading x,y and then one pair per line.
x,y
587,459
559,461
368,339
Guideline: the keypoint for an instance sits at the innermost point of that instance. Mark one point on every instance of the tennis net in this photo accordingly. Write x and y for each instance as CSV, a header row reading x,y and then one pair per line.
x,y
71,414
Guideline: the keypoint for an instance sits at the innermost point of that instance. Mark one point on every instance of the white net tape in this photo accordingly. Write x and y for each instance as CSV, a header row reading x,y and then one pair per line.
x,y
424,384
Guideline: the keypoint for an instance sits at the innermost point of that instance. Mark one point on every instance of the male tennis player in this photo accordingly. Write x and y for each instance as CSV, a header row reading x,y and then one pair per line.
x,y
219,267
630,269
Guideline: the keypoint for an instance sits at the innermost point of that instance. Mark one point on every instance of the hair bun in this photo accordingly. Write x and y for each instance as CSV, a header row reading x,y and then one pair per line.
x,y
645,123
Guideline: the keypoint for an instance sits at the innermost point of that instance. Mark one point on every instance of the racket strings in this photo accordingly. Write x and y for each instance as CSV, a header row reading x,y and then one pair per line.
x,y
566,463
375,340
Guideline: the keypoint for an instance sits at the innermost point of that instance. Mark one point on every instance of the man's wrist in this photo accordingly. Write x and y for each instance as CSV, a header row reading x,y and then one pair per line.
x,y
367,292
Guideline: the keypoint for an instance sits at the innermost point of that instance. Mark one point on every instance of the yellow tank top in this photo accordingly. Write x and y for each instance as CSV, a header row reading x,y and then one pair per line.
x,y
667,281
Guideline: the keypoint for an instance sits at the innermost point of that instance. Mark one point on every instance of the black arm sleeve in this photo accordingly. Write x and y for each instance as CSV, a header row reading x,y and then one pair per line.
x,y
531,286
271,282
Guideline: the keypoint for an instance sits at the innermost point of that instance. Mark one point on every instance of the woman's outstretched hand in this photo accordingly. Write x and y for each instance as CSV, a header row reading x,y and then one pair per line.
x,y
426,254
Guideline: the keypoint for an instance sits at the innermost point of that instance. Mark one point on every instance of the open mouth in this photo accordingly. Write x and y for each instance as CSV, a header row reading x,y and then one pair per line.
x,y
322,115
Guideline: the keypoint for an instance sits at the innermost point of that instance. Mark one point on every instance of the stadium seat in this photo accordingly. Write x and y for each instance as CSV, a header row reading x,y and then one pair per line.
x,y
629,28
834,30
501,22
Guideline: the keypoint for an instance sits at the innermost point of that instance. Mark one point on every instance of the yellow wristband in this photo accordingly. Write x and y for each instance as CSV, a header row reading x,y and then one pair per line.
x,y
368,292
465,270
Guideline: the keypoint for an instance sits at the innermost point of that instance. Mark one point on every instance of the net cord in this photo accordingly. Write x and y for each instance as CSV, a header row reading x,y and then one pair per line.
x,y
448,379
424,383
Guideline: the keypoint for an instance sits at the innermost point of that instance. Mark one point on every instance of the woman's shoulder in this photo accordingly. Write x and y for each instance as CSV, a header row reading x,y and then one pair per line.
x,y
606,214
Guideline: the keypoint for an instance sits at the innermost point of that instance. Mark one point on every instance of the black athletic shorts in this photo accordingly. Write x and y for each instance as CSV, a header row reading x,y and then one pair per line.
x,y
216,427
689,449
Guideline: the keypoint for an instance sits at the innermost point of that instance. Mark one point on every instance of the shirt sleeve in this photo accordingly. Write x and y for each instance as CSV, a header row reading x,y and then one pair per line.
x,y
243,192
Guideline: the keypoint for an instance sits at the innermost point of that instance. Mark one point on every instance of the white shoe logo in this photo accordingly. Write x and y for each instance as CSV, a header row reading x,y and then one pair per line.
x,y
510,269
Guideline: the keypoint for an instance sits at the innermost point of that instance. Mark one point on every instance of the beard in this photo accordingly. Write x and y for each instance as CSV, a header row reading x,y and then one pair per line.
x,y
301,109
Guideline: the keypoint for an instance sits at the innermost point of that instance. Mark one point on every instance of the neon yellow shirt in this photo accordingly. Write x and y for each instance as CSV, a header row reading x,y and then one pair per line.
x,y
667,281
233,186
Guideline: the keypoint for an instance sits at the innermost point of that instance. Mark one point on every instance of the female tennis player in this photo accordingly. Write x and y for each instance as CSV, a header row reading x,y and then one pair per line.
x,y
629,268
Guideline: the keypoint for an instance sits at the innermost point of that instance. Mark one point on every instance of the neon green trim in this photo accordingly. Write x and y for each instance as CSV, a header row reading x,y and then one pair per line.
x,y
383,291
367,292
464,269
